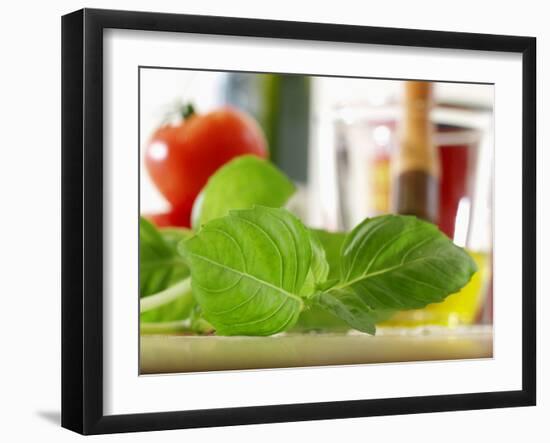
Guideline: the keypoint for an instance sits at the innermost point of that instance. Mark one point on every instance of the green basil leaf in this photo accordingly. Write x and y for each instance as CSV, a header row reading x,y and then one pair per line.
x,y
332,244
178,309
160,265
325,267
394,263
241,183
248,269
319,269
317,318
401,262
173,235
319,264
350,307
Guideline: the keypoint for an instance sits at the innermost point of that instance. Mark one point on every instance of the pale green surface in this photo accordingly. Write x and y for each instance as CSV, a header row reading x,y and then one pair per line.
x,y
166,354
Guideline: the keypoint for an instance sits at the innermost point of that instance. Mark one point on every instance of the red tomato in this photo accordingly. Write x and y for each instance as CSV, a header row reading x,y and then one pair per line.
x,y
171,218
180,158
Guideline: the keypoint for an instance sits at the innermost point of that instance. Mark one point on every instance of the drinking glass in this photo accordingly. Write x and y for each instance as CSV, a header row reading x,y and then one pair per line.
x,y
364,138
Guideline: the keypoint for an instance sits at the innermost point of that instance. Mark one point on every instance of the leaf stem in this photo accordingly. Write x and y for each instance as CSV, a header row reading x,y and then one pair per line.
x,y
180,289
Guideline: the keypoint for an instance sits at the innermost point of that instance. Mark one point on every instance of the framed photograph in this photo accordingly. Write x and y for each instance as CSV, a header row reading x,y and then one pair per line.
x,y
269,221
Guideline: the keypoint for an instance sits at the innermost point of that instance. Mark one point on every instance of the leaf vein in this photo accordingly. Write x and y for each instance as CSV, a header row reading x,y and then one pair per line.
x,y
272,241
248,276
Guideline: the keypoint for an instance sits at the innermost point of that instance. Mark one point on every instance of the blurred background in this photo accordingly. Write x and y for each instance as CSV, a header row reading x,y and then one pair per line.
x,y
358,148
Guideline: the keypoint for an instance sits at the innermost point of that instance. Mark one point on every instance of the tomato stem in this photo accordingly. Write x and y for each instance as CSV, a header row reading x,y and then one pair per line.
x,y
187,111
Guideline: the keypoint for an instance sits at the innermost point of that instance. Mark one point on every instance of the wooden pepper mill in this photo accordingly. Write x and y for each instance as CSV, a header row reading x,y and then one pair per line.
x,y
415,188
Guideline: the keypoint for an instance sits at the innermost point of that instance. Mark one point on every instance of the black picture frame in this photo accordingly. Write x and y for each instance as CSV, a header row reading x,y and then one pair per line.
x,y
82,220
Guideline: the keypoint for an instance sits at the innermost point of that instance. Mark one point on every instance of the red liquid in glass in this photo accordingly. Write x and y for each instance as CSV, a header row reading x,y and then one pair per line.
x,y
453,183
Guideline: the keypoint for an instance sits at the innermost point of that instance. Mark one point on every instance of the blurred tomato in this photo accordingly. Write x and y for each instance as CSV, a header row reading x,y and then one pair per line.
x,y
180,158
174,217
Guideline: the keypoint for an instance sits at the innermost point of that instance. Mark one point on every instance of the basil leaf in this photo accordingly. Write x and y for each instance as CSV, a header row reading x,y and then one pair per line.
x,y
160,265
174,235
319,269
241,184
248,269
317,318
326,249
394,262
178,309
350,307
401,262
332,244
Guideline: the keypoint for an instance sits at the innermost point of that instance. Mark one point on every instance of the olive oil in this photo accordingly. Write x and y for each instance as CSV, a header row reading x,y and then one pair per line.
x,y
461,308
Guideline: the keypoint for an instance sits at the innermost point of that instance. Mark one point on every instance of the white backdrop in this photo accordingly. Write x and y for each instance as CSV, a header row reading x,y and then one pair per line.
x,y
30,190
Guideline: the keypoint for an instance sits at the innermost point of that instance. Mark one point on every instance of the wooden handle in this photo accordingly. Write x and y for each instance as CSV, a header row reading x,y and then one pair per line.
x,y
416,163
417,150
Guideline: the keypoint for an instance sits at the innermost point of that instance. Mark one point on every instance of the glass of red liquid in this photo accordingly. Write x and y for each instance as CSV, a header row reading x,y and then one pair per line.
x,y
458,149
